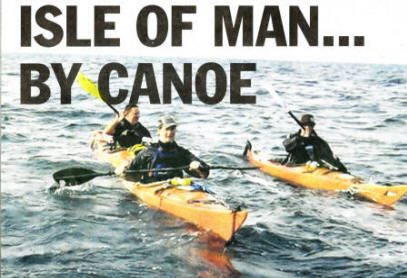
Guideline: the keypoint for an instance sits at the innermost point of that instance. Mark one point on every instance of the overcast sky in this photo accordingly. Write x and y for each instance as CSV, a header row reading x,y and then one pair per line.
x,y
383,25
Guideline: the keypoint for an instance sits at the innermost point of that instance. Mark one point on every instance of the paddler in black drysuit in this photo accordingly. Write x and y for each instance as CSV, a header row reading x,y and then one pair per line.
x,y
305,145
166,154
126,128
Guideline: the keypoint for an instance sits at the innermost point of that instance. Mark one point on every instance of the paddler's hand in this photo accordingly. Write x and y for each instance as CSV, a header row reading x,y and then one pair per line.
x,y
306,132
109,130
146,140
194,165
121,116
311,165
120,170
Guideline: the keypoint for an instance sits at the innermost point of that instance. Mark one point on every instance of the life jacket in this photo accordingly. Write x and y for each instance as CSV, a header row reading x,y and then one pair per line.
x,y
129,137
163,159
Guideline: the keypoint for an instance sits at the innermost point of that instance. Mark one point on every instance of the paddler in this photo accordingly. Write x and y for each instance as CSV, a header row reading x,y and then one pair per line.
x,y
126,128
166,153
305,146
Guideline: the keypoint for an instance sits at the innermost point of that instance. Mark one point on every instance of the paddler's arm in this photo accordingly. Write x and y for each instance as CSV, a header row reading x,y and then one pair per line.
x,y
197,168
112,126
121,172
126,165
327,155
291,142
140,162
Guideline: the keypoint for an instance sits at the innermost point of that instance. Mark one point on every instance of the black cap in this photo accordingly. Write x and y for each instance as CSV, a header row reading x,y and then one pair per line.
x,y
307,120
166,121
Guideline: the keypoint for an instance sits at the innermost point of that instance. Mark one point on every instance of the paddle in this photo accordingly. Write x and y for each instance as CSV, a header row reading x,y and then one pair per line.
x,y
78,175
92,89
285,107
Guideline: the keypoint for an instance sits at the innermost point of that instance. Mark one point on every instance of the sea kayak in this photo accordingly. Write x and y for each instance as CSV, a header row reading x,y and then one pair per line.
x,y
326,179
198,207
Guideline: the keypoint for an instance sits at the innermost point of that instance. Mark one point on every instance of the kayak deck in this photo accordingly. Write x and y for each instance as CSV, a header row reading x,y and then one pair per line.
x,y
325,179
195,206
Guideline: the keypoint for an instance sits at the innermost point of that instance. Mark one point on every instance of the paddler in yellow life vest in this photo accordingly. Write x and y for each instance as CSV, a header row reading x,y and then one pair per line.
x,y
126,128
306,146
166,153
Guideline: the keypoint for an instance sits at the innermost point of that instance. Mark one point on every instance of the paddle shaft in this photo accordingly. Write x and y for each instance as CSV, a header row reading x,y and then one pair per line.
x,y
285,107
77,175
296,120
299,123
114,109
211,167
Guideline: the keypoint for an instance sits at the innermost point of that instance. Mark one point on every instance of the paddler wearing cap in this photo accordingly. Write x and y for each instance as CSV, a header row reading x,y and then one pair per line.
x,y
166,153
306,146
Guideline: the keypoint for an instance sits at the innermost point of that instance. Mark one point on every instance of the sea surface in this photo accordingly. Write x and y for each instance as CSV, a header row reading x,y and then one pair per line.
x,y
99,229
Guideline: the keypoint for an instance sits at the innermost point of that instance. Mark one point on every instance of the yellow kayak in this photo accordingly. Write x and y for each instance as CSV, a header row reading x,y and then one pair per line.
x,y
176,196
325,179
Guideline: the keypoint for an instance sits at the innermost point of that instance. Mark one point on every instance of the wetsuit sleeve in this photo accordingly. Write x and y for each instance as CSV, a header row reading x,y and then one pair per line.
x,y
292,142
120,127
189,157
326,155
141,161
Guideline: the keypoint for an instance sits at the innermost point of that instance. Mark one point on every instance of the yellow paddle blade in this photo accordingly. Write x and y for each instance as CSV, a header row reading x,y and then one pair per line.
x,y
88,85
385,195
92,89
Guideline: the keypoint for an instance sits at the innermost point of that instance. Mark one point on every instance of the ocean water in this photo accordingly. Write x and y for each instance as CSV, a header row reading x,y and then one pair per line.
x,y
99,229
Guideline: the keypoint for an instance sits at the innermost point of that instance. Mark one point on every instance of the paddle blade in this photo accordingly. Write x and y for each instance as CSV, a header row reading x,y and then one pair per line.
x,y
92,89
279,99
88,85
76,175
